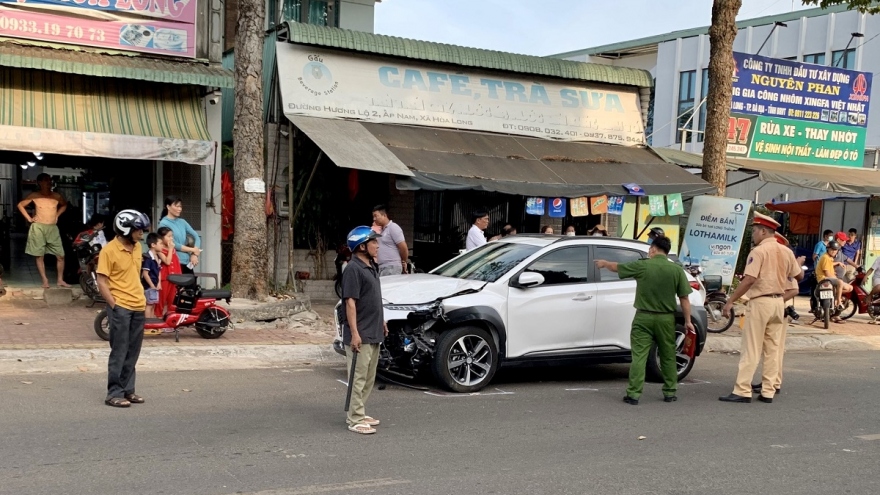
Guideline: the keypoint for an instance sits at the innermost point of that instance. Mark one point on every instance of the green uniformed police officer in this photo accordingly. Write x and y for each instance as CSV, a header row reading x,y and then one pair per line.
x,y
658,281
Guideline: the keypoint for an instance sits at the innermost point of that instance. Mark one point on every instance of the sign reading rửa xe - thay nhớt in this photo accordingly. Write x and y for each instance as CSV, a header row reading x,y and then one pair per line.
x,y
784,110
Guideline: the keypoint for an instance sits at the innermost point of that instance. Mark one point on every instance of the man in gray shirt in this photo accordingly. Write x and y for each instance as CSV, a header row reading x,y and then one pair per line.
x,y
393,252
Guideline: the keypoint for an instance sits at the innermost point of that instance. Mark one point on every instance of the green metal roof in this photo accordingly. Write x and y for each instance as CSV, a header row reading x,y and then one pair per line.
x,y
684,158
625,46
469,57
70,60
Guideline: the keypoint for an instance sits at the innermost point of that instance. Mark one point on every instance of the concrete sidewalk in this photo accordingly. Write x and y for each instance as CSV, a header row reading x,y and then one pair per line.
x,y
35,337
806,335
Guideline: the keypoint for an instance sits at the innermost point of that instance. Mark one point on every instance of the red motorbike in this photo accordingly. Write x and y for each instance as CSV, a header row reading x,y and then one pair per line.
x,y
860,300
193,306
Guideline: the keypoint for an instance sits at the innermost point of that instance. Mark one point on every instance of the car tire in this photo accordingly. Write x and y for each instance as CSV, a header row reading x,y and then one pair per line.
x,y
653,373
452,352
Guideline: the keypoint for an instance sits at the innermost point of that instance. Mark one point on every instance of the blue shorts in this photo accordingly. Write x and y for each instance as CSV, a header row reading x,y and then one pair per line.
x,y
152,296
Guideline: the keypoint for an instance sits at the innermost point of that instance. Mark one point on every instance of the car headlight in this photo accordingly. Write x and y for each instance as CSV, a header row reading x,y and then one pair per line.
x,y
411,307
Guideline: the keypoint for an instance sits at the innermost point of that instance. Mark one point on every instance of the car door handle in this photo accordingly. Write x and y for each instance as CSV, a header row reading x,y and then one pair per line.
x,y
581,297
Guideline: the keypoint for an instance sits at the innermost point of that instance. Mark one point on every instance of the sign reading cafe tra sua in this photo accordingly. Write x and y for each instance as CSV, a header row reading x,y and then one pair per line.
x,y
332,84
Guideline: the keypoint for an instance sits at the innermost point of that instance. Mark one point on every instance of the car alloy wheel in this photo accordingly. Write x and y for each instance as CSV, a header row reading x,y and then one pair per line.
x,y
465,359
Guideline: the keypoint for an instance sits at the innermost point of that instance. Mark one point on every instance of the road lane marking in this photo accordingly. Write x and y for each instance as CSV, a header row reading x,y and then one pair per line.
x,y
869,437
580,389
342,382
474,394
332,487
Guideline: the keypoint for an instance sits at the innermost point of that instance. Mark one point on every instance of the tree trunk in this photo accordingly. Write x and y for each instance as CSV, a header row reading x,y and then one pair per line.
x,y
722,33
250,256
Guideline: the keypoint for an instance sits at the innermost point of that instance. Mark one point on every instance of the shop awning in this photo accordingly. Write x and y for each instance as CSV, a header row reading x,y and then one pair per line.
x,y
439,159
85,62
804,216
51,112
841,180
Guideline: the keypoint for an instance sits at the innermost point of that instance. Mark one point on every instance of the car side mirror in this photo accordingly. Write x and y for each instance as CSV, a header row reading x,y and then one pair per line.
x,y
529,279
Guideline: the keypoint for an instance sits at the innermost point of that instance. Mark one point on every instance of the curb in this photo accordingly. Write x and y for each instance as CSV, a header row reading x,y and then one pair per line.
x,y
814,342
182,358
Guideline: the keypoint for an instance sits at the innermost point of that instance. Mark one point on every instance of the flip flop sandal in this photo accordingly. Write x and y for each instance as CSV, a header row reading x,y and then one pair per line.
x,y
117,402
371,421
362,428
134,398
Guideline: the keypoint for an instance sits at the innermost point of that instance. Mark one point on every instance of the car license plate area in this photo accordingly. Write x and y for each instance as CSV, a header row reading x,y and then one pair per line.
x,y
826,294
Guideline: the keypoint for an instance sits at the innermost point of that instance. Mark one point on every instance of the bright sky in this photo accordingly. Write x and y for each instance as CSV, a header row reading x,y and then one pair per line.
x,y
545,27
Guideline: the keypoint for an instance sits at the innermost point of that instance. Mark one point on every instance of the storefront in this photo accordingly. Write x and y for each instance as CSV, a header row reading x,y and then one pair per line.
x,y
118,123
452,129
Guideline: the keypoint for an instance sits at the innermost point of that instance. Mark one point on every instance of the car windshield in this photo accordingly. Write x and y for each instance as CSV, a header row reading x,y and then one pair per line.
x,y
487,263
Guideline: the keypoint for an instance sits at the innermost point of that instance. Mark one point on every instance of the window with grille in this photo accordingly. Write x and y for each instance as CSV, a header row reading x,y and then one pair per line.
x,y
844,59
686,92
704,91
184,180
815,58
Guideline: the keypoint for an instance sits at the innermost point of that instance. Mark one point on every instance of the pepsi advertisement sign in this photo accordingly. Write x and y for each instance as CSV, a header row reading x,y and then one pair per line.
x,y
789,89
557,208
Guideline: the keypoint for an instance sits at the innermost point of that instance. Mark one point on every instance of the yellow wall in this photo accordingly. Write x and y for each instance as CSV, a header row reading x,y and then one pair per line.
x,y
670,225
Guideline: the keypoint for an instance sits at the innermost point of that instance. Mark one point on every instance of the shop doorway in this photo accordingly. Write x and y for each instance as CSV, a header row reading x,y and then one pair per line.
x,y
90,185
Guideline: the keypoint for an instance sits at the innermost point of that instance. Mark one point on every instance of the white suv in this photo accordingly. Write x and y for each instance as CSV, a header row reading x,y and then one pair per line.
x,y
519,300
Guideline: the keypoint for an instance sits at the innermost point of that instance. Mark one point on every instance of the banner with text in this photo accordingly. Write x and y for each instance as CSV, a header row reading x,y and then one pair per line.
x,y
165,27
784,110
332,84
714,235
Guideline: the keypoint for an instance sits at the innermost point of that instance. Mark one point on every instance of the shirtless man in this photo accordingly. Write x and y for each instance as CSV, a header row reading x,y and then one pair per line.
x,y
43,236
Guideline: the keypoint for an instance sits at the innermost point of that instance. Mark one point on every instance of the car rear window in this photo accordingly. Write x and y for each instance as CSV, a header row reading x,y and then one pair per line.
x,y
487,263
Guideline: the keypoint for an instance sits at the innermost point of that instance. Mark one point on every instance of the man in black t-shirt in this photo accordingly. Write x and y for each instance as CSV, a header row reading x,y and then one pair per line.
x,y
363,327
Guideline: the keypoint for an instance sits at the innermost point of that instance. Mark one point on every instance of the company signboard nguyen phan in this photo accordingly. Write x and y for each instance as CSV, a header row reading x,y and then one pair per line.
x,y
784,110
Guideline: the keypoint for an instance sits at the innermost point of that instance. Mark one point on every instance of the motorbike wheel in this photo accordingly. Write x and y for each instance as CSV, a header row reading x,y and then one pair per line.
x,y
826,310
338,287
718,322
89,286
849,309
212,315
102,325
683,363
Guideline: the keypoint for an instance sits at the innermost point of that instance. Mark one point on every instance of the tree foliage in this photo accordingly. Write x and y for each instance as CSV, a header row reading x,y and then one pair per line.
x,y
863,6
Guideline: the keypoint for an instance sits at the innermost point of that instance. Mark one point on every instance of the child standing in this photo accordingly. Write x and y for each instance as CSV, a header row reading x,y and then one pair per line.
x,y
150,272
170,266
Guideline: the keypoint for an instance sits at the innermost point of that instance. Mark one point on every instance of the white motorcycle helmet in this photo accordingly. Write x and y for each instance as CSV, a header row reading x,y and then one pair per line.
x,y
127,221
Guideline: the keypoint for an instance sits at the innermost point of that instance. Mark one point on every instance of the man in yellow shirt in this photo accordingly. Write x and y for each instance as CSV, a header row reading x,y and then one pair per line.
x,y
825,270
119,280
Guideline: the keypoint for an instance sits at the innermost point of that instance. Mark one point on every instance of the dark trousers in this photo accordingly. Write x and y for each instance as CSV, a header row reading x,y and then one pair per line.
x,y
185,270
126,337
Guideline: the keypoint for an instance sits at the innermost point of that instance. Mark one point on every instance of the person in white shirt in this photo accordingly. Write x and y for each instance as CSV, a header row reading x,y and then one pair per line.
x,y
875,281
475,237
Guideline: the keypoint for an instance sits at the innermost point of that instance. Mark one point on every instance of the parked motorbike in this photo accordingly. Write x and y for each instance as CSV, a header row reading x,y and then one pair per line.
x,y
192,306
714,299
87,257
860,300
822,303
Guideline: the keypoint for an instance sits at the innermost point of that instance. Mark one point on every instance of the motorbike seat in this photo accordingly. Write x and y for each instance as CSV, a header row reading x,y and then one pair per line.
x,y
217,294
182,280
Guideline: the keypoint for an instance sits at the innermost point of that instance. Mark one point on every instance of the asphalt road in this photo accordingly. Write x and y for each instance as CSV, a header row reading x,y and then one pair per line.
x,y
281,432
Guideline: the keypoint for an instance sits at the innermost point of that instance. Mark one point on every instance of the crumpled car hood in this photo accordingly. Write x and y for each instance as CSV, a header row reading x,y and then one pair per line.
x,y
422,287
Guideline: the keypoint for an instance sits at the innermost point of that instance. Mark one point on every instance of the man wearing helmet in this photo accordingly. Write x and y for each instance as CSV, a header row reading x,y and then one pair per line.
x,y
654,234
828,268
119,280
363,328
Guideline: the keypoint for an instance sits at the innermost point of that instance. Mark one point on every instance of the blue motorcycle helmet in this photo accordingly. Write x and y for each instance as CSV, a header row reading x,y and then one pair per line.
x,y
360,235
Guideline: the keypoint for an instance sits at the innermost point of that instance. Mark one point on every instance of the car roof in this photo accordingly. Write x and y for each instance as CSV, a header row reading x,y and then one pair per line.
x,y
548,239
